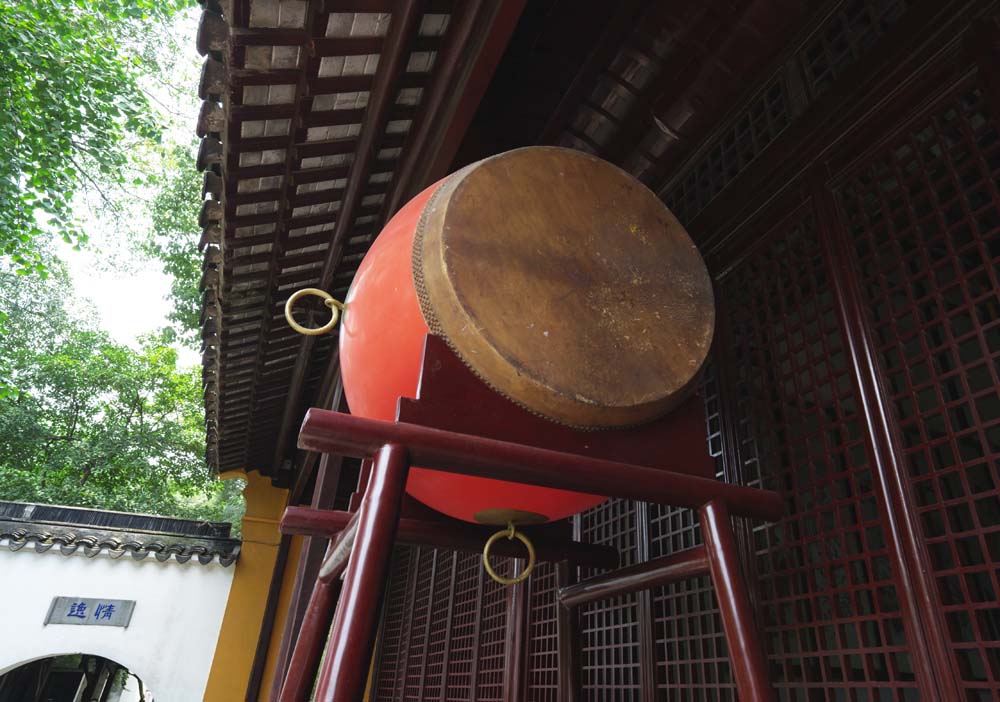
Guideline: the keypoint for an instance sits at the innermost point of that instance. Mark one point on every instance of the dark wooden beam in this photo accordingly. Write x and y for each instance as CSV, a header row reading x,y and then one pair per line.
x,y
620,26
329,118
308,460
349,84
382,5
252,112
325,592
360,46
567,638
466,63
746,651
917,591
344,670
305,658
333,432
516,639
449,617
307,569
644,606
267,623
720,22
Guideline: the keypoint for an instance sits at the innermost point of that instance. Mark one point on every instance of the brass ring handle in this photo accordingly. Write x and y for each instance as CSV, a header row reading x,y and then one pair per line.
x,y
335,306
510,533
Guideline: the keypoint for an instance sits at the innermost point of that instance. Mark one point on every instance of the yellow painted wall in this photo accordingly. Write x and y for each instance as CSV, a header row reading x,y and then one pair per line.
x,y
234,651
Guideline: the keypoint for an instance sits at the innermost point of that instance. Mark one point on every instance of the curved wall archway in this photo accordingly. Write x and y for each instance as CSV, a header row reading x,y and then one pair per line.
x,y
170,640
59,654
67,678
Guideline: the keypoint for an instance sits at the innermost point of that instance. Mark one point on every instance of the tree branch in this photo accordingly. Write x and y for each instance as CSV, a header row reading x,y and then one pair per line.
x,y
100,191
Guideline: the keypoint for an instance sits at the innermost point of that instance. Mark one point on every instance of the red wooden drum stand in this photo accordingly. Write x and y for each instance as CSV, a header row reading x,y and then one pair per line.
x,y
458,425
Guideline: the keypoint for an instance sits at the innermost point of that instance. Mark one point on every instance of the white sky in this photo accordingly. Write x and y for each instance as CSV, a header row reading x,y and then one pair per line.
x,y
129,303
129,293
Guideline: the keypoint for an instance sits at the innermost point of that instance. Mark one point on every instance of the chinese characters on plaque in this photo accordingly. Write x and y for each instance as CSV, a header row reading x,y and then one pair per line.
x,y
91,611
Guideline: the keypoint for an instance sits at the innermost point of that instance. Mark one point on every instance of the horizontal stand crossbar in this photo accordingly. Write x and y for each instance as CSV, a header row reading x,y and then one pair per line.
x,y
458,536
653,573
335,432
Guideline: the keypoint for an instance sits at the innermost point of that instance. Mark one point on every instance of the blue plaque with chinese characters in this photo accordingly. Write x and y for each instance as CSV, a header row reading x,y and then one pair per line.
x,y
90,611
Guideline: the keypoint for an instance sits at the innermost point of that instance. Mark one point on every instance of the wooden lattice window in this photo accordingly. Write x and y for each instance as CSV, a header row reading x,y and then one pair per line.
x,y
692,661
924,222
543,662
846,35
493,613
826,588
463,627
392,646
748,134
609,629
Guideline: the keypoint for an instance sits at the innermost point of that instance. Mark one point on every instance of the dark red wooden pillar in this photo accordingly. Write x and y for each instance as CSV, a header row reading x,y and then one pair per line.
x,y
352,639
917,593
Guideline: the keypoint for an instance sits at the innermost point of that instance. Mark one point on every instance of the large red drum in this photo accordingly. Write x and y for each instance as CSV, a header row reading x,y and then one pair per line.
x,y
562,282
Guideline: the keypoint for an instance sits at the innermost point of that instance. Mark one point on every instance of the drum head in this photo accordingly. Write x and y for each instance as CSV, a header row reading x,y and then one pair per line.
x,y
566,285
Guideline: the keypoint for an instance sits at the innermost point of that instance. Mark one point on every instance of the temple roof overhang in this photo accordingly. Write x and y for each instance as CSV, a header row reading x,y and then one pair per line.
x,y
319,120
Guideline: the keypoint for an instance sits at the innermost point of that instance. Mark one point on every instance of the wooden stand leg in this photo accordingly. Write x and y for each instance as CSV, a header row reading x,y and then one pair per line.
x,y
746,655
345,667
567,632
309,645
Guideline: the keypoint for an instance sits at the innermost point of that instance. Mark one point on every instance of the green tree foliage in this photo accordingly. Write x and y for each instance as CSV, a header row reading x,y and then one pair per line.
x,y
72,109
174,238
96,423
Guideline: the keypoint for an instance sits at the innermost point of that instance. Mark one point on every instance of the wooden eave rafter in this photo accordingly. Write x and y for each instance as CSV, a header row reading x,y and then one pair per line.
x,y
311,108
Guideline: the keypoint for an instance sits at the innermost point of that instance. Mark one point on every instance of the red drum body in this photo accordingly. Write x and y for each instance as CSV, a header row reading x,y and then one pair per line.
x,y
381,347
563,283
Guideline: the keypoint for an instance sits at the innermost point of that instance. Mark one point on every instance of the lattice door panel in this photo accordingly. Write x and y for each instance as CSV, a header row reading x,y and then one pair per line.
x,y
419,623
543,652
923,219
464,631
494,614
826,589
609,629
432,602
692,662
392,645
443,636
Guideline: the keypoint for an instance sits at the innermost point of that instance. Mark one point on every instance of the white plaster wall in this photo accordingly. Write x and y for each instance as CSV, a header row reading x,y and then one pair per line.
x,y
170,641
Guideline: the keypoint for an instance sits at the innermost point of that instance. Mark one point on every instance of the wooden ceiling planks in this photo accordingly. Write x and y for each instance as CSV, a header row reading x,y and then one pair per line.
x,y
402,32
677,69
309,108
